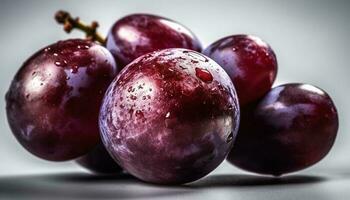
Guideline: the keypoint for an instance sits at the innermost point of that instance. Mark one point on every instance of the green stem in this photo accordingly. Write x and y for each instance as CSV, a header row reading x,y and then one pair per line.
x,y
69,23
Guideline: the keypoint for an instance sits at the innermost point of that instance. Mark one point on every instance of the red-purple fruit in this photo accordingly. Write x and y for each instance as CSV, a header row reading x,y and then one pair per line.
x,y
138,34
99,161
170,116
249,61
291,128
54,99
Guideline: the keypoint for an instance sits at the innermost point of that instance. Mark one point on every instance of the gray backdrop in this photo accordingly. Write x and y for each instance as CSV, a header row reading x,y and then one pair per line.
x,y
310,38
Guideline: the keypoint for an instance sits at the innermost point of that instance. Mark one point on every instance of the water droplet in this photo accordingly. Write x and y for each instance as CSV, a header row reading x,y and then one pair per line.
x,y
131,112
167,115
83,47
67,78
229,138
58,63
204,75
74,69
47,49
61,63
139,114
55,54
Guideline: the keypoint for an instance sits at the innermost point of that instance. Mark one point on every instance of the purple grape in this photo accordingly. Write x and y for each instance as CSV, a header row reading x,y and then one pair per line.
x,y
249,61
54,100
293,127
170,116
138,34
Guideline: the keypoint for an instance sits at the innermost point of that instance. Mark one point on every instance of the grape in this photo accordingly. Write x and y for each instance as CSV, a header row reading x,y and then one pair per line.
x,y
54,99
293,127
170,116
99,161
249,61
138,34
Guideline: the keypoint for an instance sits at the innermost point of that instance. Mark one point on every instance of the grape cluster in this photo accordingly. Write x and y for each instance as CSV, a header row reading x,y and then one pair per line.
x,y
149,100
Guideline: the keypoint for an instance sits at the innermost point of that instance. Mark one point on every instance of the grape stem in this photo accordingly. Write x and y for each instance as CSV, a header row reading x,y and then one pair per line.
x,y
69,23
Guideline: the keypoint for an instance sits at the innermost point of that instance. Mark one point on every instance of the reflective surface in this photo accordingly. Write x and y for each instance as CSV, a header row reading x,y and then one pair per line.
x,y
320,185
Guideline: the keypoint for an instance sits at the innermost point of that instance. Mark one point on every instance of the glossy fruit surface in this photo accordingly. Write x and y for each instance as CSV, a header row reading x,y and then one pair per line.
x,y
99,161
293,127
138,34
54,99
249,61
170,116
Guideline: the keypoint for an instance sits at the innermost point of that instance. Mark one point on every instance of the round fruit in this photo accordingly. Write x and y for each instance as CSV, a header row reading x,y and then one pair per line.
x,y
250,62
99,161
53,102
138,34
170,116
293,127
